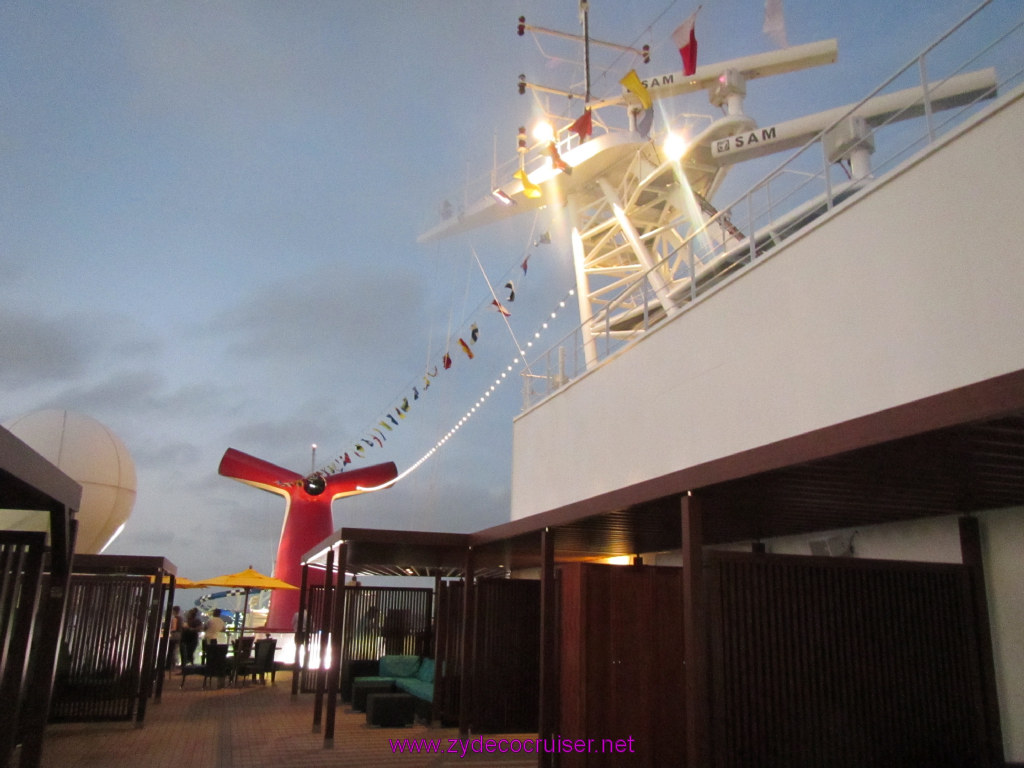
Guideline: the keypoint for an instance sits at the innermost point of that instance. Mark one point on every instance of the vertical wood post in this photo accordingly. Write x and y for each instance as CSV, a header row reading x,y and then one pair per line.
x,y
439,640
694,634
325,623
468,638
337,645
549,701
151,657
32,653
168,593
301,635
973,558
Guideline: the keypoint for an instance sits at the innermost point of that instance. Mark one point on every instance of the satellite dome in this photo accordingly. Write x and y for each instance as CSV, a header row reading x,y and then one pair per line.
x,y
95,458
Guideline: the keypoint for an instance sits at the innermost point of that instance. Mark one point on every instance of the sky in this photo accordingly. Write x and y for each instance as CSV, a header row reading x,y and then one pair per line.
x,y
209,215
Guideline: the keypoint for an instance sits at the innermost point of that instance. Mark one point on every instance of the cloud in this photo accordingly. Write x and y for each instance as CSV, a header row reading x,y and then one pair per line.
x,y
168,454
344,316
39,349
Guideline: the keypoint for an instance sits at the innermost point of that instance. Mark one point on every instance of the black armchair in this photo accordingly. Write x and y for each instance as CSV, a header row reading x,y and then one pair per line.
x,y
262,662
241,654
214,664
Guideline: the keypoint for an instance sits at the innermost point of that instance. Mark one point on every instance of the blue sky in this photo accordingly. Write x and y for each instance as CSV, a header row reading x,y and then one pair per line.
x,y
209,213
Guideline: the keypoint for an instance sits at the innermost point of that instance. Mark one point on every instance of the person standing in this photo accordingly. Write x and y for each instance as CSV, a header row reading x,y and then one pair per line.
x,y
190,635
215,628
174,637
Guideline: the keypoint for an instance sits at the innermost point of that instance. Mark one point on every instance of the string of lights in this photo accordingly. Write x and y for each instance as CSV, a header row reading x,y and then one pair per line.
x,y
480,401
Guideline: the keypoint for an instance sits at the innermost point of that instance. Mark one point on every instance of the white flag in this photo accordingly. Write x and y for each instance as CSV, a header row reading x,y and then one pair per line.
x,y
774,23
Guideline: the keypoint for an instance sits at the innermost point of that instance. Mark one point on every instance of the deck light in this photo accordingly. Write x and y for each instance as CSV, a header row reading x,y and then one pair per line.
x,y
543,131
502,197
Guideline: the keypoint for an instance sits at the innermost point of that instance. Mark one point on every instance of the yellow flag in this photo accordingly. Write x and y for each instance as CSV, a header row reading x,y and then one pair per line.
x,y
632,82
529,188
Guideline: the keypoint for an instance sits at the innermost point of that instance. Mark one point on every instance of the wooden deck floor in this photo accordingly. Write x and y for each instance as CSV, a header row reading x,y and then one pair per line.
x,y
254,726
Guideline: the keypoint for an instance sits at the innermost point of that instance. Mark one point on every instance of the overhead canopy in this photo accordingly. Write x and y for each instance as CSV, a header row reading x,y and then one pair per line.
x,y
396,553
35,495
954,453
154,566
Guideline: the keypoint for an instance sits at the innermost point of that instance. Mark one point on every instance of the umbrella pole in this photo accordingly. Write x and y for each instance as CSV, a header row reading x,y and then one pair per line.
x,y
245,612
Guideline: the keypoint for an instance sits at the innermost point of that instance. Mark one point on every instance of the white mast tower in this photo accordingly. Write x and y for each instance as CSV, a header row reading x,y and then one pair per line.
x,y
644,233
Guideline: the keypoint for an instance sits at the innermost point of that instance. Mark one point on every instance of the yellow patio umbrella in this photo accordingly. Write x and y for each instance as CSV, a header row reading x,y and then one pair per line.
x,y
248,579
180,582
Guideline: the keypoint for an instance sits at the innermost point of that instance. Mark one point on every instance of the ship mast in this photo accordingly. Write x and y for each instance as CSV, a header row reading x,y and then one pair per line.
x,y
585,18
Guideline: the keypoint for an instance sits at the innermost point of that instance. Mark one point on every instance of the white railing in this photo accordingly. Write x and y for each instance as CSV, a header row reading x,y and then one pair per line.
x,y
802,188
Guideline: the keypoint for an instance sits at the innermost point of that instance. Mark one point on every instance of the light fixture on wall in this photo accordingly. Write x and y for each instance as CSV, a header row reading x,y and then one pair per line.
x,y
502,196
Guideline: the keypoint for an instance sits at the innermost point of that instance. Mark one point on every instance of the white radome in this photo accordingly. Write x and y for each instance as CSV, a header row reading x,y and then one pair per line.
x,y
94,457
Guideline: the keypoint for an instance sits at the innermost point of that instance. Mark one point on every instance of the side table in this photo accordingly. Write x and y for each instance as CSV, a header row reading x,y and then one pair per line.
x,y
361,688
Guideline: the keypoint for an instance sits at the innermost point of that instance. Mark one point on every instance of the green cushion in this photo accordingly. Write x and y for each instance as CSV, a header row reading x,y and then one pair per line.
x,y
426,671
373,679
399,665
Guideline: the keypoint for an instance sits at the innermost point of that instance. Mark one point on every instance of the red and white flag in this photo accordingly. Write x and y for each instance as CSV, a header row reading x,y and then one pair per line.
x,y
583,126
685,38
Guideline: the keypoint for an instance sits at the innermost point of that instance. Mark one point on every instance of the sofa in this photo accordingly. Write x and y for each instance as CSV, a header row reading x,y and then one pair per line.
x,y
407,674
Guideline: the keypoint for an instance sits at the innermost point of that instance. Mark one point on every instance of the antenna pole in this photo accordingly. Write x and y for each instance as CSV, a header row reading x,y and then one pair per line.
x,y
585,14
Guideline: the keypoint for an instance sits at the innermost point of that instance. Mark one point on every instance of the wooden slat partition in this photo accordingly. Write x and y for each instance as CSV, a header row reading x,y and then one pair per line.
x,y
378,620
316,633
842,662
21,574
505,638
506,658
100,665
448,661
386,620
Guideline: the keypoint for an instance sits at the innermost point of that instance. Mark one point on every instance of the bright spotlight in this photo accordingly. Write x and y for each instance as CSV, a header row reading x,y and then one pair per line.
x,y
543,132
674,146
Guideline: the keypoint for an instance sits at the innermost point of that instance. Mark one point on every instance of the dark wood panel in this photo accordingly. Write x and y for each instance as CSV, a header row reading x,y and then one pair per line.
x,y
622,664
100,672
842,663
447,677
506,658
21,576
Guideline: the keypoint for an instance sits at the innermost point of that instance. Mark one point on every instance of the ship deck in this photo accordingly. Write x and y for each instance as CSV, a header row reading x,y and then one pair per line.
x,y
248,726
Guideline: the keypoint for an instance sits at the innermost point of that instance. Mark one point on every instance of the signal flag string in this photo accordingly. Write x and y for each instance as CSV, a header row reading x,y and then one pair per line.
x,y
473,409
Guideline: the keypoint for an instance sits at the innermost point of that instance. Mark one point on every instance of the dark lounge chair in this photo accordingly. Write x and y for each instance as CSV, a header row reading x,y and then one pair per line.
x,y
262,662
241,654
214,665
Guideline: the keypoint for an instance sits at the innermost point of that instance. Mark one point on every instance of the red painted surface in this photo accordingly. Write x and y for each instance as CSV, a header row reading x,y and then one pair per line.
x,y
307,519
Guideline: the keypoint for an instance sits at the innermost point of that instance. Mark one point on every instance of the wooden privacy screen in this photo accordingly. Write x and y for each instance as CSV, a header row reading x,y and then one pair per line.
x,y
316,629
100,672
504,656
842,662
448,644
621,664
378,621
385,620
21,573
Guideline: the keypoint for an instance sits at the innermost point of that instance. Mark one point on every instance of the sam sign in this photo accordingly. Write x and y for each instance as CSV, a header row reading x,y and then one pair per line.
x,y
753,142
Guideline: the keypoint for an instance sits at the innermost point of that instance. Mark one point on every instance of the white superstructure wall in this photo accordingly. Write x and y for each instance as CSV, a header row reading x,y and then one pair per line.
x,y
914,288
